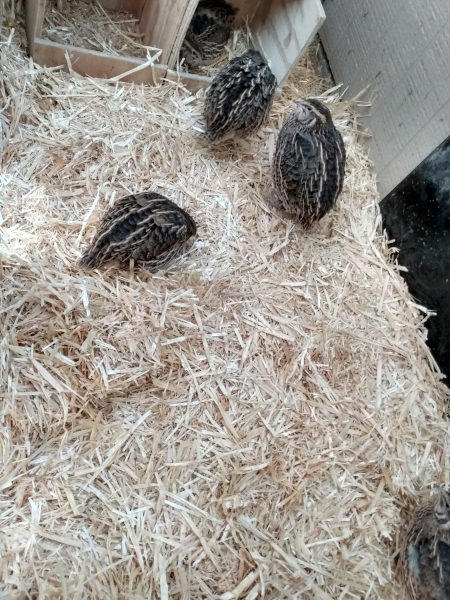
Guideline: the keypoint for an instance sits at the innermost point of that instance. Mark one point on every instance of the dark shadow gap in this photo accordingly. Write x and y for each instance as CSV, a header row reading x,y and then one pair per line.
x,y
416,214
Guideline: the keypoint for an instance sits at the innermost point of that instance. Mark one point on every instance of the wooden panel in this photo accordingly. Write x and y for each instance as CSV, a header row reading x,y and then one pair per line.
x,y
246,9
132,6
196,82
34,19
401,49
95,64
191,5
422,144
283,30
164,24
192,82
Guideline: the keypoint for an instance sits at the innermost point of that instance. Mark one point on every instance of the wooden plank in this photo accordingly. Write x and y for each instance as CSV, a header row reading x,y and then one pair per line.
x,y
414,151
34,20
191,5
196,82
283,29
95,64
192,82
404,56
246,10
164,24
132,6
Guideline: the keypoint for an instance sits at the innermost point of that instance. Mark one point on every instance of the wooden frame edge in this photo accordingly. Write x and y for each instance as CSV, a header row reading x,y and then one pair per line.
x,y
95,64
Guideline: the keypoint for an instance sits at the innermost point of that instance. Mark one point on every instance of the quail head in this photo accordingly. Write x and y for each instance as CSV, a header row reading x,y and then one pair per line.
x,y
309,163
146,227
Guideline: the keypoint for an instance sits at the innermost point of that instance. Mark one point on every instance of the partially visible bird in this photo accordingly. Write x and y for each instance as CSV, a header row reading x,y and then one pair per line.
x,y
240,97
308,164
425,552
212,24
210,12
210,27
191,50
146,227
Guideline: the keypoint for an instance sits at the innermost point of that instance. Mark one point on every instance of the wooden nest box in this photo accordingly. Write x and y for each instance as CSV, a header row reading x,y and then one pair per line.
x,y
281,30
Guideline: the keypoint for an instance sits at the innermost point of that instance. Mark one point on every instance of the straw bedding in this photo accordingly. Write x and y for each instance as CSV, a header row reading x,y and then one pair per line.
x,y
86,24
245,425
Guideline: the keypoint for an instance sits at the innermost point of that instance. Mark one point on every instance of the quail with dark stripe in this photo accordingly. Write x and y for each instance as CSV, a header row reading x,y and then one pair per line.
x,y
309,163
240,97
425,552
146,227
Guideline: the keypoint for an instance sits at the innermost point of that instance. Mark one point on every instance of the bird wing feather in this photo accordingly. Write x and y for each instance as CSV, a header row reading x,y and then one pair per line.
x,y
434,576
144,227
308,170
232,91
296,165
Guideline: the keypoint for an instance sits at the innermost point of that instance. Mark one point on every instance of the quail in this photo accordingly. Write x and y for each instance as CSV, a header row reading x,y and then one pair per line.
x,y
191,50
425,552
240,97
208,31
146,227
308,164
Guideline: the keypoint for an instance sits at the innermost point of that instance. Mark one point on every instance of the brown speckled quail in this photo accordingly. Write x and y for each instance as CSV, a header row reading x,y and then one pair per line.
x,y
240,97
308,164
425,553
209,31
146,227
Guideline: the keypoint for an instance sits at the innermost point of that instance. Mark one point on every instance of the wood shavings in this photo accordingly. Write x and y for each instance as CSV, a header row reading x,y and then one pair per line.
x,y
242,425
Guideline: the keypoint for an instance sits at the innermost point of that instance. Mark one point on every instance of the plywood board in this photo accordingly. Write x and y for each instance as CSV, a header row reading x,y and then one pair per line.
x,y
132,6
192,82
95,64
164,24
34,19
246,8
283,29
191,5
404,55
196,82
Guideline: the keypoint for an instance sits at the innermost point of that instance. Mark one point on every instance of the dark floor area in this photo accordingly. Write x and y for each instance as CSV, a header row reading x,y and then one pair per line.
x,y
416,215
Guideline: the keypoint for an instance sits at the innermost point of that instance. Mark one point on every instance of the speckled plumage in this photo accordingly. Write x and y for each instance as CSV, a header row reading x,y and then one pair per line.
x,y
425,552
240,97
208,32
191,50
308,164
146,227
